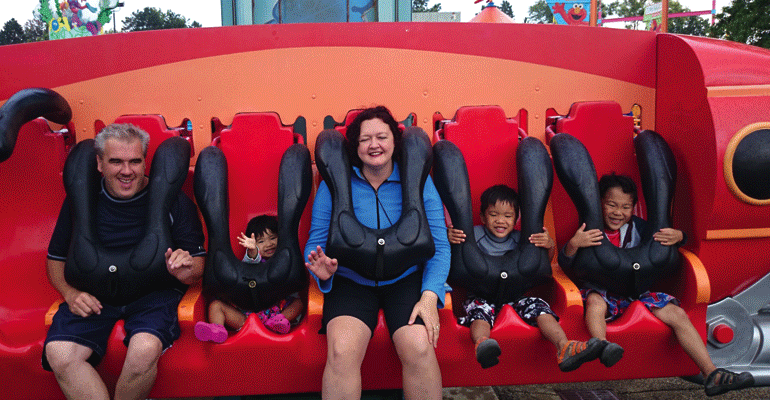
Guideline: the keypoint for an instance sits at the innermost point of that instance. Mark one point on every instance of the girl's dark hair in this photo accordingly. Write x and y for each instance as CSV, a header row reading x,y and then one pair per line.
x,y
625,183
501,193
354,131
260,224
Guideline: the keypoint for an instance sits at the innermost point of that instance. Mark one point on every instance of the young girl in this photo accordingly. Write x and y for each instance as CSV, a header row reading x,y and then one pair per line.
x,y
623,229
261,242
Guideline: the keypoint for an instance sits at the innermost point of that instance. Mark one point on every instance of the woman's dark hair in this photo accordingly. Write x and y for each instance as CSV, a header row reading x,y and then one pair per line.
x,y
501,193
260,224
625,183
354,131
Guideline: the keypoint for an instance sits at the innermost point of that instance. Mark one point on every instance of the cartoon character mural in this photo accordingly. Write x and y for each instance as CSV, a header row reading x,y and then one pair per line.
x,y
577,14
71,19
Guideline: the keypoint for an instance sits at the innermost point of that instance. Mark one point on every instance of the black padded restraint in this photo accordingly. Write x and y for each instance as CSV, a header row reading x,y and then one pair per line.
x,y
249,286
377,254
627,272
502,278
24,106
120,276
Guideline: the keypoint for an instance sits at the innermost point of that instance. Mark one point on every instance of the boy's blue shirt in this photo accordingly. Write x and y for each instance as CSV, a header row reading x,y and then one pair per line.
x,y
384,205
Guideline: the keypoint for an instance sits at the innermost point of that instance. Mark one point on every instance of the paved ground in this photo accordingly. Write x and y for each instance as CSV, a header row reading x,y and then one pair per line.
x,y
636,389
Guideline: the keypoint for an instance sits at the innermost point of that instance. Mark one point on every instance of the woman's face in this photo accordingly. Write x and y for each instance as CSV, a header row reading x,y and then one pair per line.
x,y
376,144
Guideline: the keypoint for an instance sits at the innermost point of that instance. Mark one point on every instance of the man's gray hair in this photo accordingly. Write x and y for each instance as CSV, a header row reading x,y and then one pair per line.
x,y
122,132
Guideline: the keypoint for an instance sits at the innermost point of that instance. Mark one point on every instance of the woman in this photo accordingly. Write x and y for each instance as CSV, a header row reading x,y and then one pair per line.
x,y
351,302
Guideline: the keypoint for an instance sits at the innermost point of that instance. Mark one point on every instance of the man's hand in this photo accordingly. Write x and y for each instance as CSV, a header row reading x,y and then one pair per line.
x,y
183,266
82,303
320,264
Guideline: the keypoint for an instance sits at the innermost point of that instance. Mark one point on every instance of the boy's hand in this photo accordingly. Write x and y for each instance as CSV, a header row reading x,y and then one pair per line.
x,y
583,238
455,236
542,239
250,243
668,236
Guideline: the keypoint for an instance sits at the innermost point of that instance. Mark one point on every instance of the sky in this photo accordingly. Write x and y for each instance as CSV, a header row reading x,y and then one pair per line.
x,y
207,12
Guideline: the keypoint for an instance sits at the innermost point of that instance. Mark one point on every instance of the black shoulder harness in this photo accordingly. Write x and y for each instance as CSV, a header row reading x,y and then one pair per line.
x,y
119,276
499,278
631,271
228,277
377,254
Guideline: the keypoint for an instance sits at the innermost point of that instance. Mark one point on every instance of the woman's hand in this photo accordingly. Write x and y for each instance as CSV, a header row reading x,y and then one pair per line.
x,y
427,310
320,264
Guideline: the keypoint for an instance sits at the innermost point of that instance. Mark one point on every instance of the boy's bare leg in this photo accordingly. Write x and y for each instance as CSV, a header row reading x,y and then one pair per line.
x,y
551,330
595,311
688,337
479,329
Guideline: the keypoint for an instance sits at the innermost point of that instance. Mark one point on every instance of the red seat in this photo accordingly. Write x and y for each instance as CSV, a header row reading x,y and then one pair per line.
x,y
651,350
32,188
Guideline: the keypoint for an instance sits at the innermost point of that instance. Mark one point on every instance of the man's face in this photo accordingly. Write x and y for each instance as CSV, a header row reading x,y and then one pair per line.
x,y
122,166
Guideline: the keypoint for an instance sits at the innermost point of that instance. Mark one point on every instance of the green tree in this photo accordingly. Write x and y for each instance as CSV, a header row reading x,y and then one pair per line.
x,y
422,6
627,8
35,30
745,21
695,26
507,8
12,33
540,13
152,18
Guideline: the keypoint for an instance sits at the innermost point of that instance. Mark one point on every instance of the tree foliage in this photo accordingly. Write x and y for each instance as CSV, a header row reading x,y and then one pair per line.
x,y
745,21
507,8
635,8
422,6
35,30
152,18
12,33
540,13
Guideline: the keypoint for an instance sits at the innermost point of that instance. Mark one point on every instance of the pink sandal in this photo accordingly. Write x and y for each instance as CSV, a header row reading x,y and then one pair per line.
x,y
278,323
206,332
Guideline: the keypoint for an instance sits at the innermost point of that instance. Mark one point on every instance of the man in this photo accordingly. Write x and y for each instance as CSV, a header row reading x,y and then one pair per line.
x,y
78,336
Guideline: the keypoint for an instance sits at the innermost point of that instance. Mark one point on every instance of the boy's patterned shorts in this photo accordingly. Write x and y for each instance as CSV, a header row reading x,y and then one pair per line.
x,y
528,308
617,305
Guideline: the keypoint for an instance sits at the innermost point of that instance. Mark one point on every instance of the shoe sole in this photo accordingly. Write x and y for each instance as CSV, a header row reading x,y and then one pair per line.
x,y
488,352
592,351
611,354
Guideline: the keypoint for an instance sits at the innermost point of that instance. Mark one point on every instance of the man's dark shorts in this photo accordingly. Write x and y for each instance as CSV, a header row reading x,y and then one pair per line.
x,y
155,313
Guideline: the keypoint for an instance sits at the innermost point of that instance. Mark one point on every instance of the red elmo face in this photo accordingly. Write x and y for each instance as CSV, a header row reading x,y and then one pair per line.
x,y
577,12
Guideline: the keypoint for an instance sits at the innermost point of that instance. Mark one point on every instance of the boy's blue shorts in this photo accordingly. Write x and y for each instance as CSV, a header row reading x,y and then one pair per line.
x,y
155,313
617,305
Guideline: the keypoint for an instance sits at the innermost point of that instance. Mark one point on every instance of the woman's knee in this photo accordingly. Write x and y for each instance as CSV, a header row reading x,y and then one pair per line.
x,y
412,344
